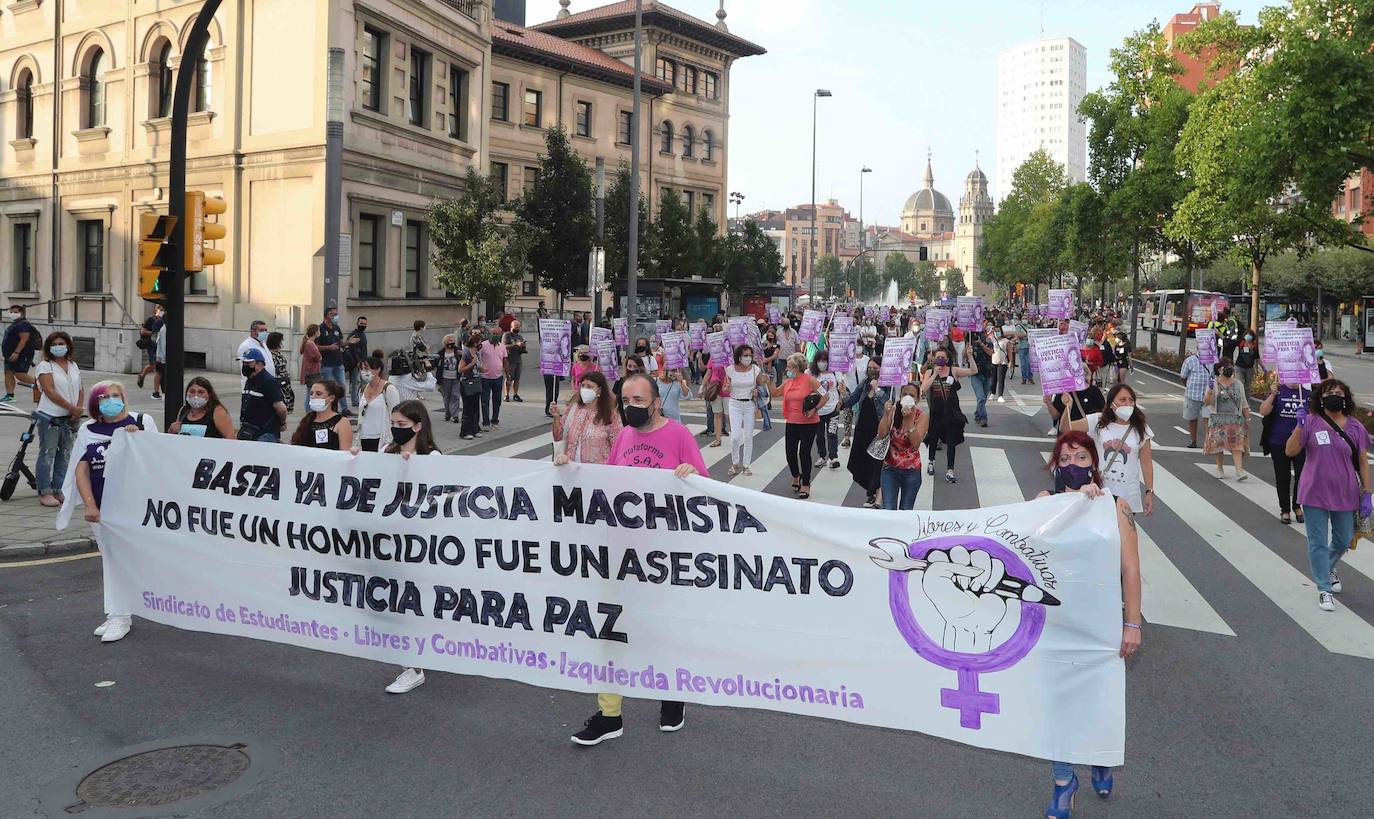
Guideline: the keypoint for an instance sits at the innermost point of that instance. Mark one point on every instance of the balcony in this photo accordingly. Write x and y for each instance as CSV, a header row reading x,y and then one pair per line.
x,y
471,8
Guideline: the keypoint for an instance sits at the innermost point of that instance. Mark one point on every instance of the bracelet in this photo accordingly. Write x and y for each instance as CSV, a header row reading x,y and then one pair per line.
x,y
1149,491
1135,626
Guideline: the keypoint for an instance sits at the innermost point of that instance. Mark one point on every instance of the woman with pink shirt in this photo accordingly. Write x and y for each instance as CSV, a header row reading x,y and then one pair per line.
x,y
310,356
588,424
583,363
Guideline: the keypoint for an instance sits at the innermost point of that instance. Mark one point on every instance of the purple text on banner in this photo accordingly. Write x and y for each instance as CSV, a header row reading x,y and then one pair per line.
x,y
937,323
697,335
1296,355
737,331
842,324
774,314
842,345
555,347
969,312
596,335
1061,364
884,314
1206,347
661,326
896,364
608,359
720,353
1079,330
1061,304
811,325
621,327
1033,332
675,350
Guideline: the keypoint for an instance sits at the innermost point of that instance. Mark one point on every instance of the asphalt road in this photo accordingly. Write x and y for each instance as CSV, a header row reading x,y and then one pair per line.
x,y
1245,700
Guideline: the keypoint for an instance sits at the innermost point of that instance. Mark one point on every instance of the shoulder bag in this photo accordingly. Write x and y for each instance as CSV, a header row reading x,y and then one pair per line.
x,y
878,449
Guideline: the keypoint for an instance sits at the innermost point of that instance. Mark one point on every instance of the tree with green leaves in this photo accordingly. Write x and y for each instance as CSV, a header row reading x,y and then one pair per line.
x,y
925,281
830,270
559,217
1023,239
618,227
710,250
676,251
750,259
954,283
476,256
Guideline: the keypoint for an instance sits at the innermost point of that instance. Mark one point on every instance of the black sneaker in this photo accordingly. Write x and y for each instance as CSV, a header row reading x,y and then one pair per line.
x,y
517,399
598,729
670,716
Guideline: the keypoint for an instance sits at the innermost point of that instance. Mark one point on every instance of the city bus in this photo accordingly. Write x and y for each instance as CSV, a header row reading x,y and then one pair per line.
x,y
1168,306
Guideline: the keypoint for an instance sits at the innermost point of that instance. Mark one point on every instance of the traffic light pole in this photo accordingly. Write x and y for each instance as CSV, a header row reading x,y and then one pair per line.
x,y
174,375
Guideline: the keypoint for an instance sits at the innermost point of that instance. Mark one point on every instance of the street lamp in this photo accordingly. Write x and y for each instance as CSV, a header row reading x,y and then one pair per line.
x,y
738,199
863,240
811,253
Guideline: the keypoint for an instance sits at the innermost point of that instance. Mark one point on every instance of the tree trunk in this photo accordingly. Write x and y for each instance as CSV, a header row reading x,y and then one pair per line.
x,y
1255,267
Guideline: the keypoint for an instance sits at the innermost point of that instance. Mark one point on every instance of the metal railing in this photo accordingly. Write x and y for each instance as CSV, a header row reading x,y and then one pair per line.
x,y
55,313
471,8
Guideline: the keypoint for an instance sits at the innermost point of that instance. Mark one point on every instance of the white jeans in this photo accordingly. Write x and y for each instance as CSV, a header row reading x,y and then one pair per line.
x,y
741,432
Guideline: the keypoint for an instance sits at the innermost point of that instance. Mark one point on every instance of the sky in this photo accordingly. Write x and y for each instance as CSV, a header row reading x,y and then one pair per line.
x,y
907,76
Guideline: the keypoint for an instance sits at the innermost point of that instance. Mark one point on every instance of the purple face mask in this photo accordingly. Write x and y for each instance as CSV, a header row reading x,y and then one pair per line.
x,y
1072,476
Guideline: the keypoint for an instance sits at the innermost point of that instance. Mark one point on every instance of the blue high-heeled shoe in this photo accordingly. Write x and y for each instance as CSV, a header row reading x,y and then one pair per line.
x,y
1102,781
1061,803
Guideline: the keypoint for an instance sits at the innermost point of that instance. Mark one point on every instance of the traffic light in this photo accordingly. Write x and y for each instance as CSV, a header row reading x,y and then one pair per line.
x,y
153,253
198,232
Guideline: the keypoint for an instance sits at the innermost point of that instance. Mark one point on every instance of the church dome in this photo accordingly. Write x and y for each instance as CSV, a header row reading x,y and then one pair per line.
x,y
928,200
927,211
976,177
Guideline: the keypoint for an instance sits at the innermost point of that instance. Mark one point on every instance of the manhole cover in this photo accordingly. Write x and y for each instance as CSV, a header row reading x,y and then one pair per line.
x,y
162,776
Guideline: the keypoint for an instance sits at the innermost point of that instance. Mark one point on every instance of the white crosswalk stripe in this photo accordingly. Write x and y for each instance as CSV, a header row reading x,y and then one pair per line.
x,y
713,455
765,467
1266,497
993,478
1341,631
525,444
1166,596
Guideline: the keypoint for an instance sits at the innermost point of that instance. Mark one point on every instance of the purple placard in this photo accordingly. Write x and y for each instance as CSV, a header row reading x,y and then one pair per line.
x,y
661,326
896,364
969,312
755,339
696,339
720,354
1207,347
811,325
555,347
1295,356
1033,310
596,335
774,314
608,358
884,314
1061,364
1060,304
675,350
1034,332
842,324
621,328
842,347
1079,330
737,331
937,323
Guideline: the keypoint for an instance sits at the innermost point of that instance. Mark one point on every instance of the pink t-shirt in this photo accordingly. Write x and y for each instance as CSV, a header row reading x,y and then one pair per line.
x,y
665,448
493,359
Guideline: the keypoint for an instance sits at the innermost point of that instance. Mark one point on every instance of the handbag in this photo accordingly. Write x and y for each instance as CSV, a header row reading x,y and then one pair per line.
x,y
810,402
877,450
1364,526
711,391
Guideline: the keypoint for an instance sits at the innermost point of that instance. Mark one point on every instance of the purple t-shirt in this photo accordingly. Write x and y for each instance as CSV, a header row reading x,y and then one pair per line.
x,y
94,455
1329,480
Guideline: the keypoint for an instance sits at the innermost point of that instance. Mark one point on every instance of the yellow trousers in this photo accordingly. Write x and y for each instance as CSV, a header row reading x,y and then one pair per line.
x,y
609,704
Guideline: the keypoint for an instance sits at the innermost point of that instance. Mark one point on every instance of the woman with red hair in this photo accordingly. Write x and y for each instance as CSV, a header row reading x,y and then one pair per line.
x,y
1075,468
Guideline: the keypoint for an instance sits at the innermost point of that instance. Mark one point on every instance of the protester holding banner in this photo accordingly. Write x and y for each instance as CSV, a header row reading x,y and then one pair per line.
x,y
323,427
1247,356
903,427
1281,409
379,397
262,412
653,441
1074,464
109,411
202,415
673,388
869,401
1228,425
1335,483
742,379
940,384
828,436
587,427
802,395
1122,437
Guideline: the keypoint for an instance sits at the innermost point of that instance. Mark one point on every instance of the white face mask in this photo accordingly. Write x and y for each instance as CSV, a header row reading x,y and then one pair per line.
x,y
822,366
365,376
587,394
746,360
197,401
319,404
908,402
1124,413
14,316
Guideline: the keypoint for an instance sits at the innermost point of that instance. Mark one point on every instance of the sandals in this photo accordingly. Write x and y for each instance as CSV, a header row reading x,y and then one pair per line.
x,y
747,472
714,443
1285,518
803,493
732,472
796,485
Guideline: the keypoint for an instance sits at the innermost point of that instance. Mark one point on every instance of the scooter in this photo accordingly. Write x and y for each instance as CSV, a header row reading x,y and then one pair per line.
x,y
18,467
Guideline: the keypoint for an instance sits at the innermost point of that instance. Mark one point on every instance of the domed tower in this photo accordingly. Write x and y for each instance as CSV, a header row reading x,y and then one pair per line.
x,y
975,209
927,211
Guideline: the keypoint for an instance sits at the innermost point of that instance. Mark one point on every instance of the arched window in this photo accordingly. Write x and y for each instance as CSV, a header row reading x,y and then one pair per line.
x,y
166,81
200,92
688,141
23,127
666,141
94,88
708,145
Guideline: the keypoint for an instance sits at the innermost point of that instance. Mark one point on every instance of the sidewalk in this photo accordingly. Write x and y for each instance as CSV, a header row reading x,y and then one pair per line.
x,y
26,527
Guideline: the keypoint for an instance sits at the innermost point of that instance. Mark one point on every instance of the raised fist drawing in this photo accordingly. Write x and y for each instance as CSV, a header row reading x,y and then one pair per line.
x,y
960,584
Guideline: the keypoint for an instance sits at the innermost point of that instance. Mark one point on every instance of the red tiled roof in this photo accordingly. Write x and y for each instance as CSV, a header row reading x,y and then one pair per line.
x,y
655,13
527,44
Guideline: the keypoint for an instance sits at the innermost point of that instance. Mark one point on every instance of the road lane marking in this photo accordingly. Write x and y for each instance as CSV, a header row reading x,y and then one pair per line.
x,y
766,466
993,477
47,560
1167,598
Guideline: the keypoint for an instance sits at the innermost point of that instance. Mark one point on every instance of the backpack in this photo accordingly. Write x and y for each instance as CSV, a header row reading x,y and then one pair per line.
x,y
35,343
408,362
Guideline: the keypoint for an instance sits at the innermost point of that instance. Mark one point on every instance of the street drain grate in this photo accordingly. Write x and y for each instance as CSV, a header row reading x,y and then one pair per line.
x,y
162,776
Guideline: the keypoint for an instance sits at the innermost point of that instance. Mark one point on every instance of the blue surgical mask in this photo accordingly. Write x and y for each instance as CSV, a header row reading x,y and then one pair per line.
x,y
1319,353
110,407
262,336
58,350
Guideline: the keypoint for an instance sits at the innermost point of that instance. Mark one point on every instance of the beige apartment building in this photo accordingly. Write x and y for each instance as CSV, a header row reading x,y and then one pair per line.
x,y
429,89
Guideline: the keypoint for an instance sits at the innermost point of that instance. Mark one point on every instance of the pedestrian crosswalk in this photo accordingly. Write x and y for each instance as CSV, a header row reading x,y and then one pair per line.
x,y
1188,531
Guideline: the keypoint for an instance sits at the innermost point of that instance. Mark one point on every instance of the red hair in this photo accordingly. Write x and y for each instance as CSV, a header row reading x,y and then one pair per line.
x,y
1078,439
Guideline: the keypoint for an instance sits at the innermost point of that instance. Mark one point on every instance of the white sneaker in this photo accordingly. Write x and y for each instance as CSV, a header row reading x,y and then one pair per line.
x,y
408,680
1325,601
1053,431
1001,400
116,628
100,629
1335,582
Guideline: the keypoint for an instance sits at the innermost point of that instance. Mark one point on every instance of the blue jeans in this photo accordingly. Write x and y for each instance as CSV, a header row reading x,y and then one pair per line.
x,y
761,401
54,450
980,390
355,387
269,438
1328,539
491,400
337,375
1062,771
1023,361
900,487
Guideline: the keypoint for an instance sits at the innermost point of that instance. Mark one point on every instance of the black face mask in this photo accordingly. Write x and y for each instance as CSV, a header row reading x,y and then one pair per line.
x,y
248,370
1333,403
1228,371
637,417
402,435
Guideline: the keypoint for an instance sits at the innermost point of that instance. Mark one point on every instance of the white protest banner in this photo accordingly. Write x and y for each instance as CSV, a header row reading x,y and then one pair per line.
x,y
1206,346
811,323
896,364
842,347
696,335
721,355
608,359
1295,355
969,312
621,328
675,350
937,323
555,347
1031,334
1059,362
1060,304
996,627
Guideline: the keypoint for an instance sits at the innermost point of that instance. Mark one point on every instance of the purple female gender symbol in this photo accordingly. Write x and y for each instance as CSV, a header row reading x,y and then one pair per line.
x,y
967,698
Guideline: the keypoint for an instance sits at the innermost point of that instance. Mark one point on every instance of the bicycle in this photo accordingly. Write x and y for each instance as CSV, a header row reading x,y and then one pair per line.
x,y
18,468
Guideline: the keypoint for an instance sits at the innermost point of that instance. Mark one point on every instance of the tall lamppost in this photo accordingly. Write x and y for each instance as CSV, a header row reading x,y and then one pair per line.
x,y
863,239
811,252
738,199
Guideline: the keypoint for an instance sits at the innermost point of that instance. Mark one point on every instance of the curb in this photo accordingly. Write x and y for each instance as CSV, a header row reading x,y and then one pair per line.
x,y
56,547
